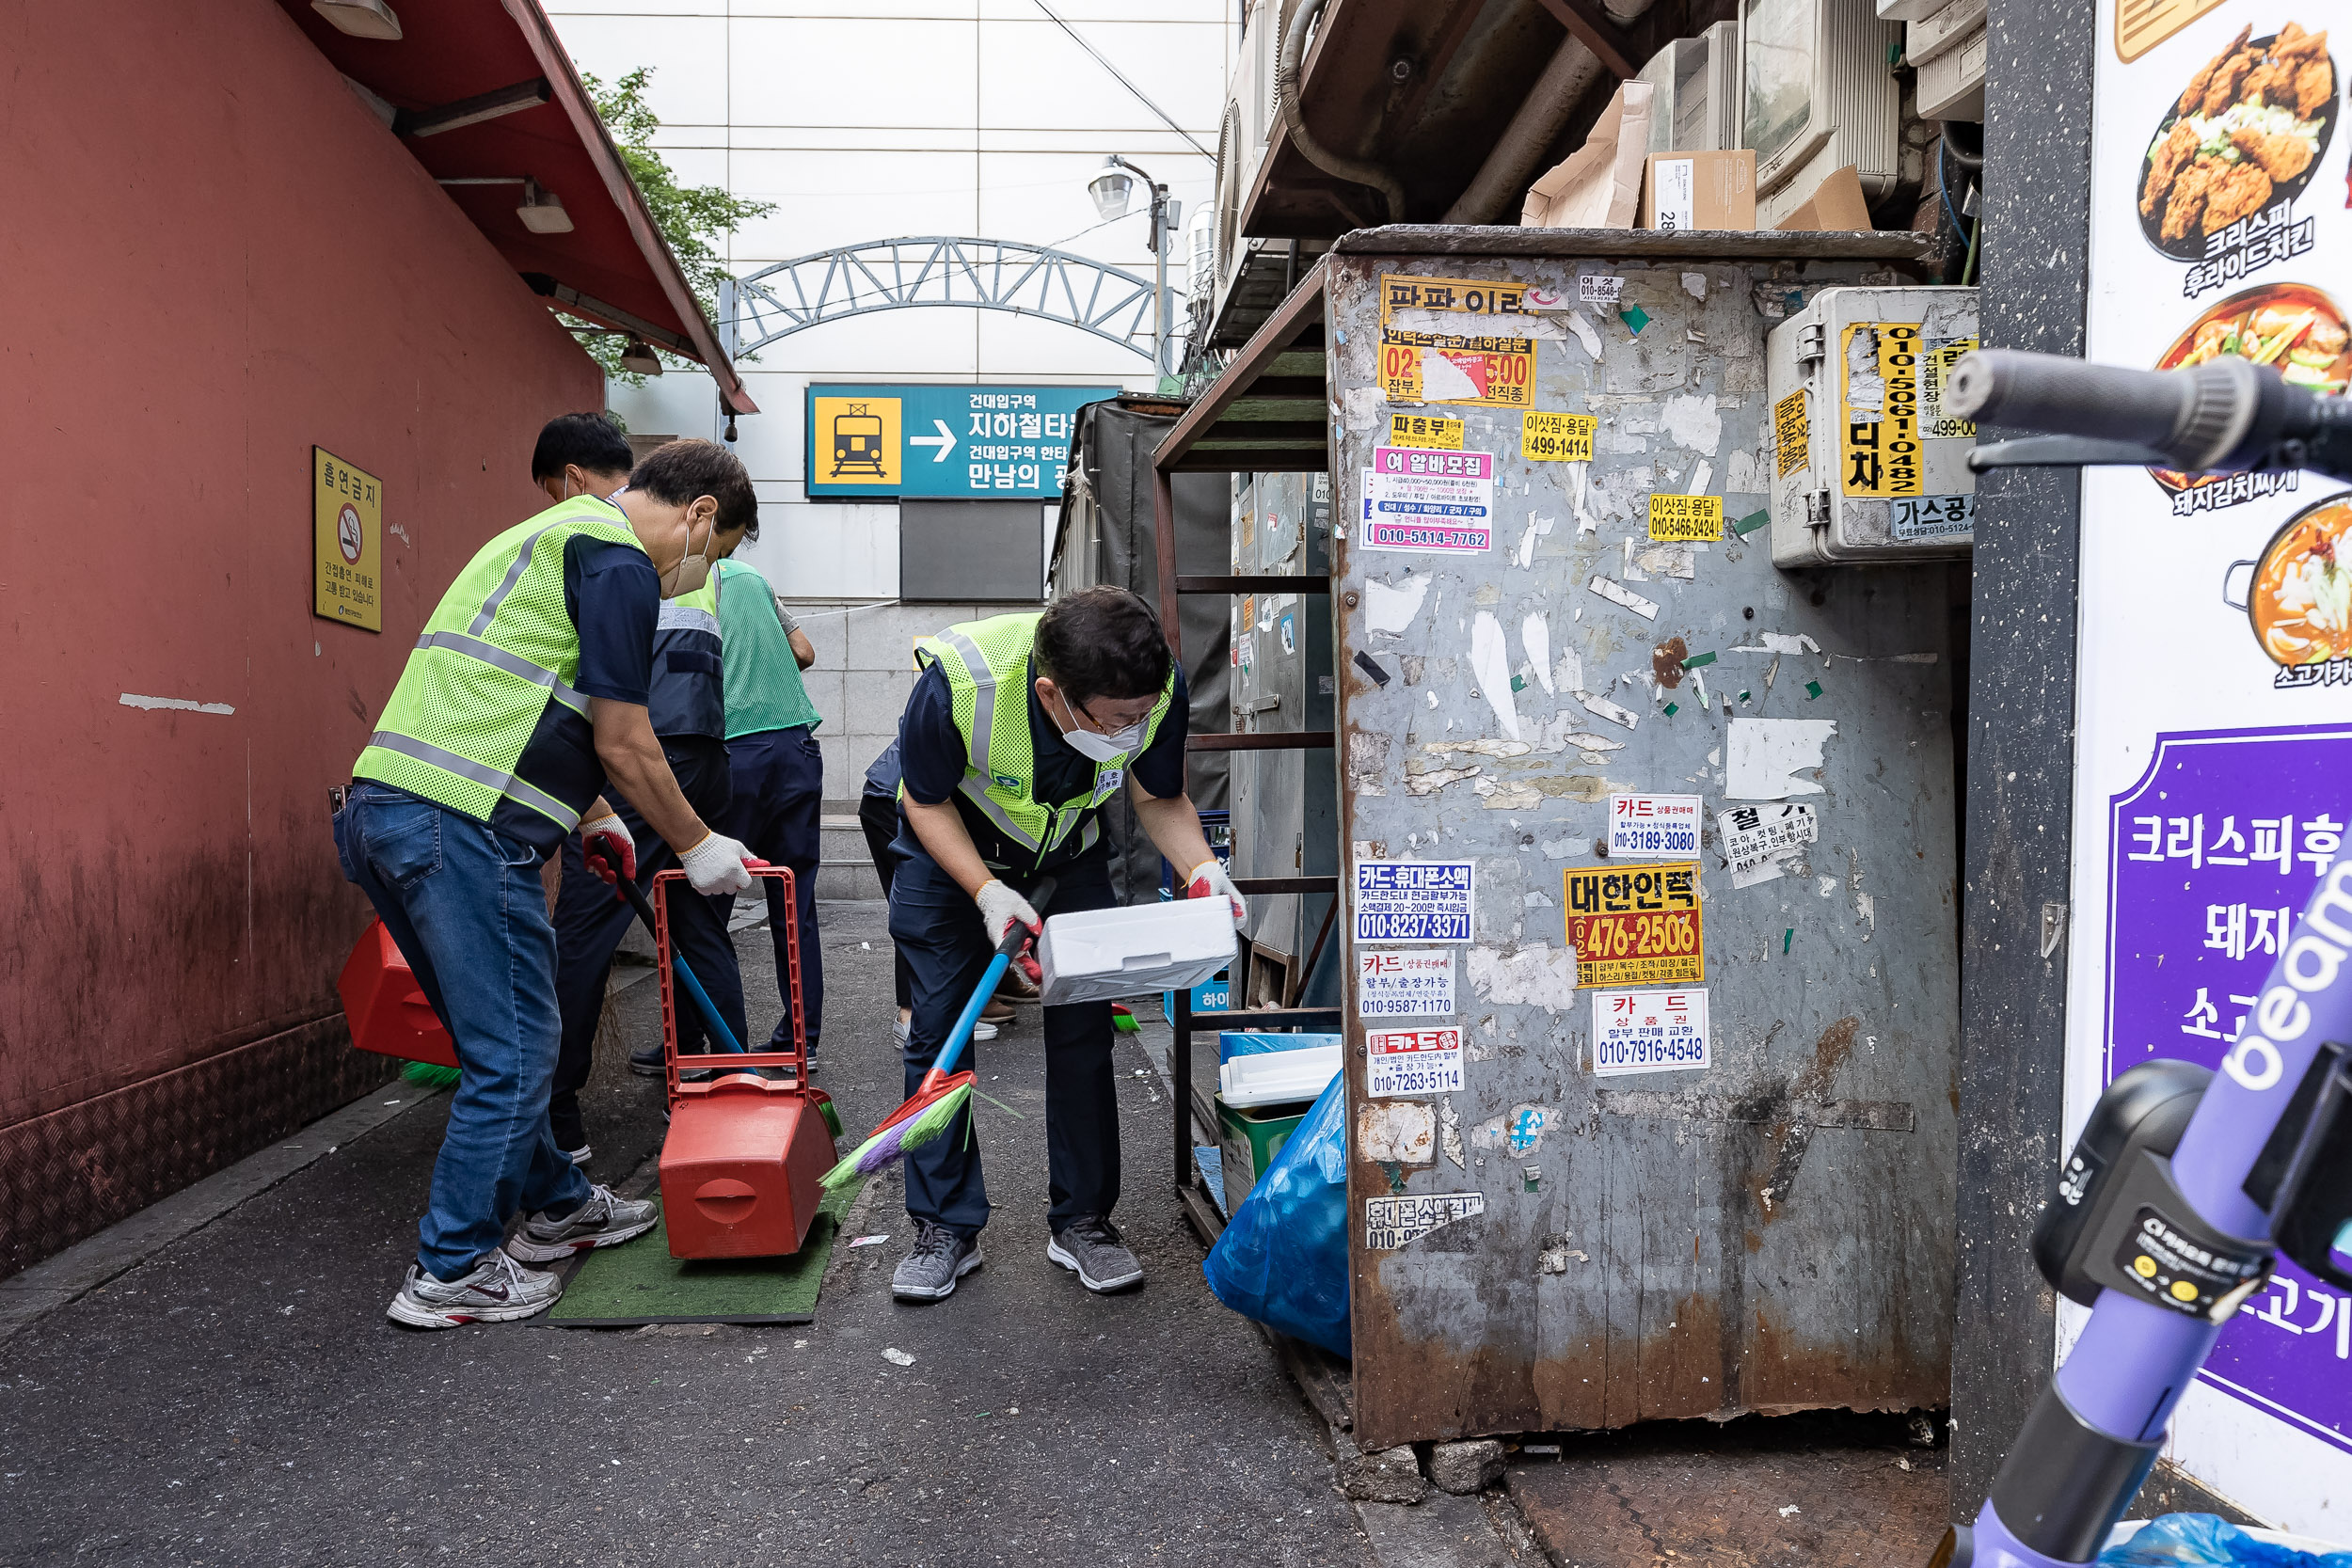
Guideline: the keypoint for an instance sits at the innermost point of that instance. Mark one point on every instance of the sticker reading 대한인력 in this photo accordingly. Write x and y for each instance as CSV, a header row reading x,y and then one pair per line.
x,y
1413,1061
1391,1222
1404,982
1649,1031
1654,827
1417,499
1414,900
1634,925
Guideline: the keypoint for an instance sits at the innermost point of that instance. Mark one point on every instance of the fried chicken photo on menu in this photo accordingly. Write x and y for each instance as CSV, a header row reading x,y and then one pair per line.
x,y
2244,127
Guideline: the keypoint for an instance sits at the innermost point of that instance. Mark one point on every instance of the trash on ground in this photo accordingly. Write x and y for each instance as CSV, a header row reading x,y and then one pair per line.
x,y
869,1240
898,1357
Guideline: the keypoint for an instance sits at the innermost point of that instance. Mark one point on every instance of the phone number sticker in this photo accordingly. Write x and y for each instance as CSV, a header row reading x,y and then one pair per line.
x,y
1404,983
1649,1031
1635,927
1654,827
1686,518
1391,1223
1414,900
1546,436
1413,1061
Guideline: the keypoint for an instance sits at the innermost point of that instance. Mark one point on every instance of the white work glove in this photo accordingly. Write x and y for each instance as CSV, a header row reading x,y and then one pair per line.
x,y
1209,880
717,866
595,835
1001,908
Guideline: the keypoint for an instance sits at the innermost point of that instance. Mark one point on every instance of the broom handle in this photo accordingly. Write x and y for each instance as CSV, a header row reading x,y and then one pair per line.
x,y
638,901
1014,936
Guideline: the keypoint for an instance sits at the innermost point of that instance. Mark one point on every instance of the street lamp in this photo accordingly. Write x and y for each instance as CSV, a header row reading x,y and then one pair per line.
x,y
1111,189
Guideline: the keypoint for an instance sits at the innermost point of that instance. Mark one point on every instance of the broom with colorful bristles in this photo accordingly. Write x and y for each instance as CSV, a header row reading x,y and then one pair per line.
x,y
942,1093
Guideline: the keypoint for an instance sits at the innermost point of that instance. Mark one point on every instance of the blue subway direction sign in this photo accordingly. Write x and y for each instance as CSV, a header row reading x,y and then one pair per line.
x,y
942,442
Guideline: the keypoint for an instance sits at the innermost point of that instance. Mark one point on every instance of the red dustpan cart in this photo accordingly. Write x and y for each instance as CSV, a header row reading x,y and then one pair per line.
x,y
387,1007
750,1137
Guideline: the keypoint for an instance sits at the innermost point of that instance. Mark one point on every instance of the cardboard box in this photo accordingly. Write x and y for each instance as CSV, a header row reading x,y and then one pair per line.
x,y
1699,190
1835,203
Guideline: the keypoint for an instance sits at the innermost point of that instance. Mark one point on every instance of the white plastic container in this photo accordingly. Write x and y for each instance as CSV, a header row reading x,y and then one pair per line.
x,y
1277,1077
1100,954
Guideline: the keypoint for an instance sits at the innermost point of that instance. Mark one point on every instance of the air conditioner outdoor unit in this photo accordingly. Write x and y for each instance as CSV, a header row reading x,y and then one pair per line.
x,y
1697,83
1242,134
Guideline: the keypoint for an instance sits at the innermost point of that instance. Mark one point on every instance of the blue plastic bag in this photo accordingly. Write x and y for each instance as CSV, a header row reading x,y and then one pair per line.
x,y
1283,1257
2208,1540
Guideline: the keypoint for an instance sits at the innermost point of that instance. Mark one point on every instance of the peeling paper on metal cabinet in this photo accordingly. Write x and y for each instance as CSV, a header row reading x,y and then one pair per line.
x,y
1490,661
1762,755
1392,609
1396,1132
1535,637
1537,975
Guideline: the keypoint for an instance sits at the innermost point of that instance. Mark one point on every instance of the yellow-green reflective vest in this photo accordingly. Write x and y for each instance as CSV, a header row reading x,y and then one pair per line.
x,y
986,664
492,675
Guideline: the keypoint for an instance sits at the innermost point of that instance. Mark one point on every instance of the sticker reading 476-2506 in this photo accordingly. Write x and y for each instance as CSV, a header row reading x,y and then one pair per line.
x,y
1635,926
1414,900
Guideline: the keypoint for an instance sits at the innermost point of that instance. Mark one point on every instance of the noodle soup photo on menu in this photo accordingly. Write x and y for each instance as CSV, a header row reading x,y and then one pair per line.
x,y
2298,595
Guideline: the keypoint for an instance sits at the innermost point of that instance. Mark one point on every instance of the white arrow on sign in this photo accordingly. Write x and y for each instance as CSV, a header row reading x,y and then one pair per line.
x,y
944,440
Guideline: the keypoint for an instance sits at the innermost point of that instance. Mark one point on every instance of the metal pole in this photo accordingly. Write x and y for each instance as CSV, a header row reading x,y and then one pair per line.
x,y
1159,281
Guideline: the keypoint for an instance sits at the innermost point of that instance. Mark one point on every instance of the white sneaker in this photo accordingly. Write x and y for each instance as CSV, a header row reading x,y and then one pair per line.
x,y
605,1220
582,1155
979,1032
497,1290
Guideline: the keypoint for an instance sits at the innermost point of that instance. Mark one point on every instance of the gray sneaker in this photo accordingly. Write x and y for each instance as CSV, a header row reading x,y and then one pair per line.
x,y
604,1220
939,1257
1091,1248
497,1290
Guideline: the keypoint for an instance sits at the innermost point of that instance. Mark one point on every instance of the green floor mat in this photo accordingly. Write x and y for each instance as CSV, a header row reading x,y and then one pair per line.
x,y
640,1283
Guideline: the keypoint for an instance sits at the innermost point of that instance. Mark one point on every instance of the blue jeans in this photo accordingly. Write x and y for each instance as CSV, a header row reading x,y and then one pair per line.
x,y
466,907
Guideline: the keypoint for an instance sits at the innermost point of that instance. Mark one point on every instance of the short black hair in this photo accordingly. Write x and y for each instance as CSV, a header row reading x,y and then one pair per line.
x,y
590,440
1103,642
677,472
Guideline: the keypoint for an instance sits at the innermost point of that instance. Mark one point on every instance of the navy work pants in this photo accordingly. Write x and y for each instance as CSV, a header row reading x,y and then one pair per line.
x,y
937,926
878,815
779,779
590,921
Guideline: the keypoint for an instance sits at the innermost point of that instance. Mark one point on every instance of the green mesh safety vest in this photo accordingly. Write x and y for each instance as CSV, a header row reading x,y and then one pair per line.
x,y
764,687
987,663
498,653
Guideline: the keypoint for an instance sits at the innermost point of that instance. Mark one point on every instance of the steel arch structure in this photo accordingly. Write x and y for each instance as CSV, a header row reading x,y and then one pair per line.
x,y
933,271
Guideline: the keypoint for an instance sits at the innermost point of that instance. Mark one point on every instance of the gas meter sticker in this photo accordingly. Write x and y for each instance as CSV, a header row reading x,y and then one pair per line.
x,y
1404,983
1429,500
1391,1222
1935,372
1879,367
1432,431
1792,437
1598,290
1653,827
1649,1031
1635,927
1760,841
1414,900
1546,436
1412,1061
1684,519
1933,516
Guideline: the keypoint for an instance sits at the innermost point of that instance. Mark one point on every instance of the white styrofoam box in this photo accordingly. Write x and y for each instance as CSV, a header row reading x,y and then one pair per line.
x,y
1909,11
1100,954
1277,1077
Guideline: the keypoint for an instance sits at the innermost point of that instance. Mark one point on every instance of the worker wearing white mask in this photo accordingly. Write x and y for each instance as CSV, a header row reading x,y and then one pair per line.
x,y
1019,730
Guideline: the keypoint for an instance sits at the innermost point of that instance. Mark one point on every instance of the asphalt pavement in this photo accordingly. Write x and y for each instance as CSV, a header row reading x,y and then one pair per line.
x,y
239,1397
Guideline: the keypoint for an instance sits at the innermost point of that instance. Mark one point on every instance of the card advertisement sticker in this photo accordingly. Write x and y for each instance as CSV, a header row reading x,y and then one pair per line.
x,y
1686,520
1404,983
1635,927
1414,900
1761,840
1412,1061
1417,499
1792,437
1431,431
1393,1222
1649,1031
1654,827
1549,437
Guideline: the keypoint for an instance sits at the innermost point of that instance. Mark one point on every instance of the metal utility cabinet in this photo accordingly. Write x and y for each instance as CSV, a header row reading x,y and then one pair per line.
x,y
1646,846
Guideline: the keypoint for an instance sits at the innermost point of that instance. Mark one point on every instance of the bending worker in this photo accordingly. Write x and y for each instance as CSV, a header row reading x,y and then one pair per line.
x,y
1018,730
525,693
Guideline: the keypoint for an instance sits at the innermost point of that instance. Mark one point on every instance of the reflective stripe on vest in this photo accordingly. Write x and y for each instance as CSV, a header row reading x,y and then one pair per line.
x,y
514,664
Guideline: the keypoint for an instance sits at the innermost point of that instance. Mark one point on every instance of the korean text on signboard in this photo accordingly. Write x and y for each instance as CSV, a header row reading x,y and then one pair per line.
x,y
1418,499
947,442
1404,982
1414,900
1686,518
1413,1061
1654,827
346,530
1635,927
1649,1031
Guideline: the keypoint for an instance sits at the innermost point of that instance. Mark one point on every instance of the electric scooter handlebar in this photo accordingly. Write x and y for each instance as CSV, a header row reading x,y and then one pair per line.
x,y
2224,416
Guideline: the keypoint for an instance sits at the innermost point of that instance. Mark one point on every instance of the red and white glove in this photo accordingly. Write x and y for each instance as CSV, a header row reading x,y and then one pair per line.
x,y
1209,880
719,865
604,840
1001,910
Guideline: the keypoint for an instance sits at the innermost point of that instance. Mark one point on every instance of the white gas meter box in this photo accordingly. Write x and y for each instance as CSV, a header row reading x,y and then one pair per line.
x,y
1100,954
1867,467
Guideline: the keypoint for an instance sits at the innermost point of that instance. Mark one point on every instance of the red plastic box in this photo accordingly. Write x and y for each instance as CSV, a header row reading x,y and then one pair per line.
x,y
387,1007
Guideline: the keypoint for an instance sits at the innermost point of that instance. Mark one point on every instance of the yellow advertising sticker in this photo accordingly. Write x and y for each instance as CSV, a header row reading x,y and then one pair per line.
x,y
1792,437
1935,374
347,530
1431,431
1684,519
1419,373
1469,297
1882,444
1635,925
1546,436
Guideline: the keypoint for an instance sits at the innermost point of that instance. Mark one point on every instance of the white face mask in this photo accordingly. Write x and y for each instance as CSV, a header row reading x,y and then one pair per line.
x,y
691,571
1101,748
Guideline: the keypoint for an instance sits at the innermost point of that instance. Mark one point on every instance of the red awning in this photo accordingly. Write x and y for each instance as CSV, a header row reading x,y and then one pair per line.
x,y
459,59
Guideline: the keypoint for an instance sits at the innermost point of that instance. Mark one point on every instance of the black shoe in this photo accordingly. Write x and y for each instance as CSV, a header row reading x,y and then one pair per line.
x,y
647,1061
939,1257
1089,1246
